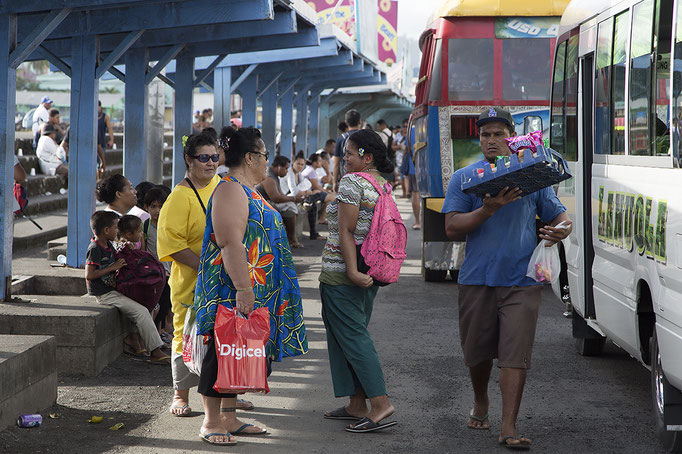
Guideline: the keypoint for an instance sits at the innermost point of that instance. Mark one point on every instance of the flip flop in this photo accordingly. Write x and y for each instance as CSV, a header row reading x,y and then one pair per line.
x,y
241,432
186,411
128,350
207,439
246,405
481,419
520,446
367,425
164,360
416,227
341,413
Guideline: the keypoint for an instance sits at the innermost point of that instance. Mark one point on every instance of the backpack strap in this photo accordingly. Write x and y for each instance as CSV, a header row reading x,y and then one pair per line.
x,y
375,184
191,185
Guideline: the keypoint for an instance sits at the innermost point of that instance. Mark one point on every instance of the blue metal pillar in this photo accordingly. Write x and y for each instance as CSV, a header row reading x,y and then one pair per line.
x,y
269,98
326,130
302,122
83,150
182,119
314,142
248,90
287,106
134,150
8,92
222,106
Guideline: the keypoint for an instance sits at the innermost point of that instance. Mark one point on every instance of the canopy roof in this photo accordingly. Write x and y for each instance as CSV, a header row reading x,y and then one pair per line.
x,y
463,8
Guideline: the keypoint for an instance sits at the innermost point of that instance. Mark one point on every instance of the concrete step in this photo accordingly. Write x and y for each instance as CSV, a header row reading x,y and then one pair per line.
x,y
26,146
88,336
28,375
41,184
27,235
46,203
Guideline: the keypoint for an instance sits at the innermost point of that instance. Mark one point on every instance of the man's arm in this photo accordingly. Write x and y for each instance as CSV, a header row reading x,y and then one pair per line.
x,y
107,120
554,234
275,194
459,225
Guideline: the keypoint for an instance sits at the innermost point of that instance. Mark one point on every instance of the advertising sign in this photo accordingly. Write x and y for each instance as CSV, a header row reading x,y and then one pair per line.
x,y
387,30
526,27
343,15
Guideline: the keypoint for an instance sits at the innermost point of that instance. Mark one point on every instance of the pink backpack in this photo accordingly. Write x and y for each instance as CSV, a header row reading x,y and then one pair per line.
x,y
383,250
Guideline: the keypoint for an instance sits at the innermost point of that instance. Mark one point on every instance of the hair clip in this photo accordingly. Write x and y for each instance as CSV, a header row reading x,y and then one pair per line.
x,y
184,141
224,143
361,152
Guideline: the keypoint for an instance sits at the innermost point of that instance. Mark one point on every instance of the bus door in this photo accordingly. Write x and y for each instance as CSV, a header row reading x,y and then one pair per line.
x,y
585,107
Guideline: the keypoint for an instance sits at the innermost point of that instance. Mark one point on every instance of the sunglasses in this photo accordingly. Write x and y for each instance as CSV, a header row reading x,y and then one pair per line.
x,y
206,157
266,154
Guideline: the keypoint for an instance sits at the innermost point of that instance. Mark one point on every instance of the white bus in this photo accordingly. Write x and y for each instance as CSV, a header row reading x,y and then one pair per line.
x,y
616,105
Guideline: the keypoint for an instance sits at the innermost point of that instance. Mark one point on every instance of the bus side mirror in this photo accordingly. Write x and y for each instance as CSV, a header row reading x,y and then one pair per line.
x,y
532,123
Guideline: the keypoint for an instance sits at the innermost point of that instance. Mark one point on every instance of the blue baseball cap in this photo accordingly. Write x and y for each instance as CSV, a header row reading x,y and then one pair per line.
x,y
46,99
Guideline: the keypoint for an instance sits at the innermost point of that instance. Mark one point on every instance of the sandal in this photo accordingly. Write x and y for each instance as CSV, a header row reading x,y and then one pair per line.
x,y
480,419
240,431
164,360
207,439
520,446
341,413
129,350
367,425
186,411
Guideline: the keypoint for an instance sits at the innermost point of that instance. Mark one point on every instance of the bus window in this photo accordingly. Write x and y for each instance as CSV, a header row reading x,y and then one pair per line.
x,y
640,78
557,128
436,73
571,108
521,80
662,97
618,65
470,69
424,70
532,123
677,94
602,114
466,147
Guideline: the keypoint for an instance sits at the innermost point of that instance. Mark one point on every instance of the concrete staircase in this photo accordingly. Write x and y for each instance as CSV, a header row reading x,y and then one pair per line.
x,y
48,195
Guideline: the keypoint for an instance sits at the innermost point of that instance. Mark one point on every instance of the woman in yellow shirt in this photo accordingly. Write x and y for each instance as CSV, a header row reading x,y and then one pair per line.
x,y
182,222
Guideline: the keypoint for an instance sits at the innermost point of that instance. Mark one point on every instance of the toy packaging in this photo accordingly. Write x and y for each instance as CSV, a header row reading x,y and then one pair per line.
x,y
528,170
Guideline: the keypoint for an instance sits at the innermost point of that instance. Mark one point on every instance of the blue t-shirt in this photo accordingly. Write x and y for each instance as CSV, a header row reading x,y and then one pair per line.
x,y
498,251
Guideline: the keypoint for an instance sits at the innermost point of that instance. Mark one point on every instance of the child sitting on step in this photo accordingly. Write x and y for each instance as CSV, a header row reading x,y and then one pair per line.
x,y
100,277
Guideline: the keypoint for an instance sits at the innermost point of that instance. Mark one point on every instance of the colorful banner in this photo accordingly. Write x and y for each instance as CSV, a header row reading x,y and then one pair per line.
x,y
387,30
527,27
344,15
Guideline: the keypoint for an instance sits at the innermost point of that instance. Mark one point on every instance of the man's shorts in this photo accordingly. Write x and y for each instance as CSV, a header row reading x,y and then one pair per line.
x,y
498,322
412,183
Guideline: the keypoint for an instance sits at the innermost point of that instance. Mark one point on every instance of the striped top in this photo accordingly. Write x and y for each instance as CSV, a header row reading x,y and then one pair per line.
x,y
353,190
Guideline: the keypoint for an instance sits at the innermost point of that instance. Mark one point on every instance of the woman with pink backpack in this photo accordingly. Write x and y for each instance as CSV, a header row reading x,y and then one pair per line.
x,y
364,250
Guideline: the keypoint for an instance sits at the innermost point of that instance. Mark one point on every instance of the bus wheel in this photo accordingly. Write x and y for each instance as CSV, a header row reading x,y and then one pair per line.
x,y
664,395
435,275
588,342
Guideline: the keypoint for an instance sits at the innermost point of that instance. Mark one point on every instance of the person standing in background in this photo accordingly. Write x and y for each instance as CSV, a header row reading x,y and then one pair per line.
x,y
40,117
354,122
103,126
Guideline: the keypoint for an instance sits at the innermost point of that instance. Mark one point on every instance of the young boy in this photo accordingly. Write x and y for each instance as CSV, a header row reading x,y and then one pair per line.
x,y
100,276
130,231
153,201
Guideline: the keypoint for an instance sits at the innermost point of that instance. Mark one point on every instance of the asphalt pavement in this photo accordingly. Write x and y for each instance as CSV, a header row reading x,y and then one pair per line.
x,y
571,404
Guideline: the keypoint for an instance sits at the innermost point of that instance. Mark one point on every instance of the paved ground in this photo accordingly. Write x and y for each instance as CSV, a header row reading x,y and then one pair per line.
x,y
572,404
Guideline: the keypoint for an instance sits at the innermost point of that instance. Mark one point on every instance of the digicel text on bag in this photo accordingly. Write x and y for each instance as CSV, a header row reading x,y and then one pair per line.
x,y
230,350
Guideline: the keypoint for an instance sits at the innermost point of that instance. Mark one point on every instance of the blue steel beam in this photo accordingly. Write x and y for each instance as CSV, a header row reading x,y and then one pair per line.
x,y
163,61
249,100
8,93
207,71
83,133
182,113
118,74
46,54
118,52
243,76
37,36
145,16
222,81
284,23
167,80
288,88
344,58
301,128
269,101
270,84
314,122
29,6
287,106
134,134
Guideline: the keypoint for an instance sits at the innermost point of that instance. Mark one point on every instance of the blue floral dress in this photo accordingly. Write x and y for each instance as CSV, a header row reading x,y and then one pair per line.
x,y
273,277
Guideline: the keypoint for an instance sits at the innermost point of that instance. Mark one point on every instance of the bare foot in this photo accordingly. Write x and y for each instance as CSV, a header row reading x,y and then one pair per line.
x,y
179,407
235,425
515,440
217,436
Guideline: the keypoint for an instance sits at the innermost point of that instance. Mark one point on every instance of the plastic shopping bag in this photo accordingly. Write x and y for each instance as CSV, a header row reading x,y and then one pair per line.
x,y
544,265
240,346
194,346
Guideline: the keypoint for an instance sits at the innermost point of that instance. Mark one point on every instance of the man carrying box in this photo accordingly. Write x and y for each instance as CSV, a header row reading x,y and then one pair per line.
x,y
498,304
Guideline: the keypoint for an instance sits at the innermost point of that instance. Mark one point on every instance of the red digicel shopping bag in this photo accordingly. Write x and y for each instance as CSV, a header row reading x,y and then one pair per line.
x,y
240,347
